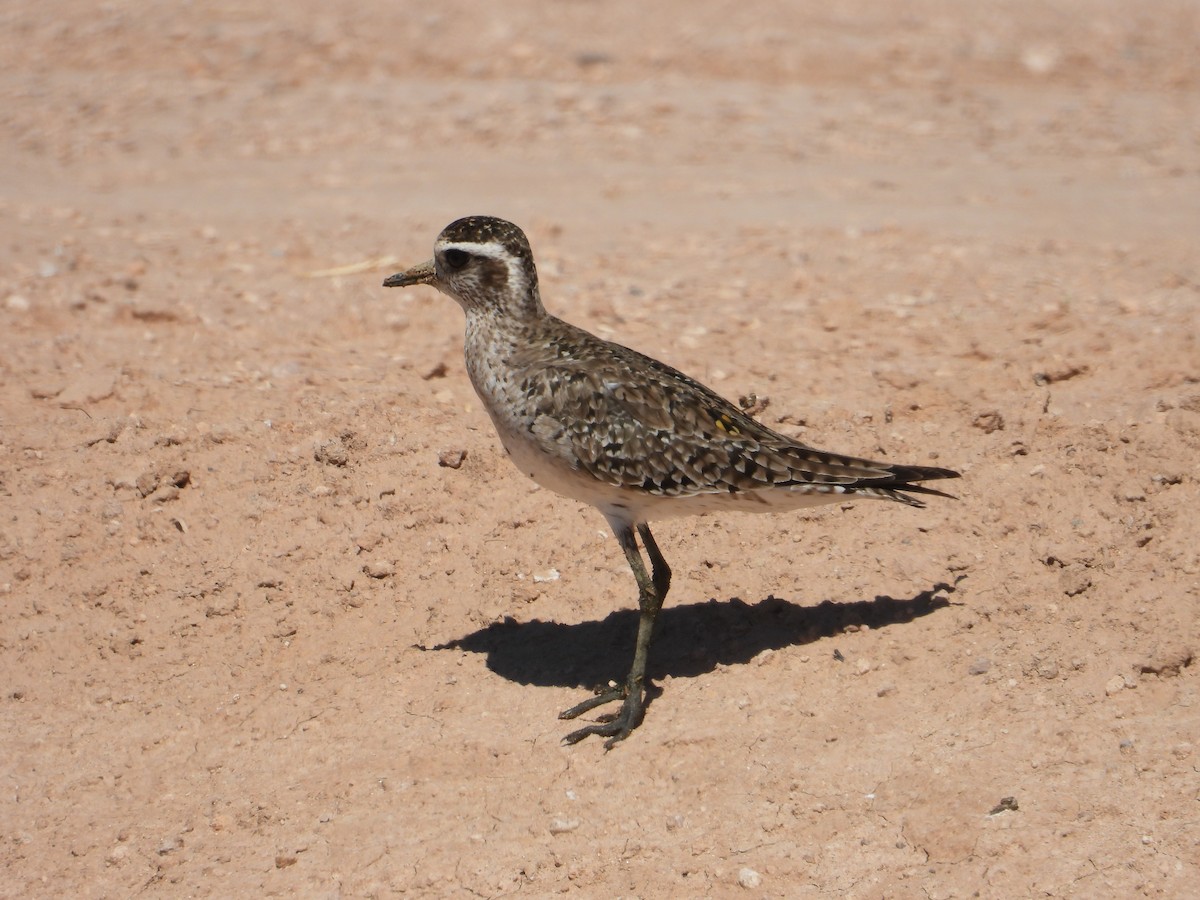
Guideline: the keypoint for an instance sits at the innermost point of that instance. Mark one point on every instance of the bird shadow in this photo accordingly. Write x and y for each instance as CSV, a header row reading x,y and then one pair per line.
x,y
689,640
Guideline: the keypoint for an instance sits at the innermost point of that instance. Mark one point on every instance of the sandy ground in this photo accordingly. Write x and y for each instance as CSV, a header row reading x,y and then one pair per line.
x,y
257,641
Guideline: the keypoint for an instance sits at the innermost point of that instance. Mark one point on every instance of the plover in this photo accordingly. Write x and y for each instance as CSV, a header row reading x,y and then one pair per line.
x,y
633,437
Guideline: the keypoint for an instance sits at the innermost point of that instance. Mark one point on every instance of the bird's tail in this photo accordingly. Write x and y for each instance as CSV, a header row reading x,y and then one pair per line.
x,y
898,482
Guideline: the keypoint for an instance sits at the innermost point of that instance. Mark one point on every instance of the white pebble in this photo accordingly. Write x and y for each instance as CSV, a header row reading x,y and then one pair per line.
x,y
563,826
748,878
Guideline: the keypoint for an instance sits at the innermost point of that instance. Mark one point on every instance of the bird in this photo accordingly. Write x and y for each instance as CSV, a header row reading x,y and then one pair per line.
x,y
603,424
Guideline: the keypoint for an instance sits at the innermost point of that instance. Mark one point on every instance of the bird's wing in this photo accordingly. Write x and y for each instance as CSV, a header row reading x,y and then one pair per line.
x,y
668,434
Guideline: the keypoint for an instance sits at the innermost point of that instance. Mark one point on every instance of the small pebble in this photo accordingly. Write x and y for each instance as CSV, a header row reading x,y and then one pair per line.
x,y
117,855
1074,581
332,453
563,826
1047,668
379,568
451,459
748,878
164,494
147,483
981,666
1006,804
989,421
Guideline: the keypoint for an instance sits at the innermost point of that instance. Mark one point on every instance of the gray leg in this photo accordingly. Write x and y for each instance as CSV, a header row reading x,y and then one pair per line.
x,y
662,572
652,590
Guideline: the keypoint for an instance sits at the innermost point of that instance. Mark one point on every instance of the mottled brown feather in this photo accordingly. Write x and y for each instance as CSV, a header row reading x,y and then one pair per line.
x,y
634,422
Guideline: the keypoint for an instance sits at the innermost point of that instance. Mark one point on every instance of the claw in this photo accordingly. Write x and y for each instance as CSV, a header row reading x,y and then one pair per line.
x,y
617,728
608,695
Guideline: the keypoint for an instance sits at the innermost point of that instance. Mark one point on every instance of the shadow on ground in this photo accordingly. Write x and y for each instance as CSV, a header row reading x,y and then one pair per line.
x,y
690,640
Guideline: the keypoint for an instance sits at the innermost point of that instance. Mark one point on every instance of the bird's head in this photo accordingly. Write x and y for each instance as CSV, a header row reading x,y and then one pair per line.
x,y
485,264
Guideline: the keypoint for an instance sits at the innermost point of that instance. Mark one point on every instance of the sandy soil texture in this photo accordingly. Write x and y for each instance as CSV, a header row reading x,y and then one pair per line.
x,y
279,618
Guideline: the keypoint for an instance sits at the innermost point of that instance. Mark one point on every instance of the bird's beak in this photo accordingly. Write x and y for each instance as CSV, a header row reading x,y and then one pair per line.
x,y
422,274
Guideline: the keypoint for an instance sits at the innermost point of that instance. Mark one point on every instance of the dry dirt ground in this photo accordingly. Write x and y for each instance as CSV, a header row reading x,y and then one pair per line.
x,y
258,641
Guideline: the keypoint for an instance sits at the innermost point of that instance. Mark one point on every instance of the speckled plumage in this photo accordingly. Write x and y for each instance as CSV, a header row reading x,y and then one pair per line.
x,y
611,427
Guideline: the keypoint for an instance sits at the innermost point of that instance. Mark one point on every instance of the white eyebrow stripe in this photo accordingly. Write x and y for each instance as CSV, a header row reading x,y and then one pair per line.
x,y
492,249
517,282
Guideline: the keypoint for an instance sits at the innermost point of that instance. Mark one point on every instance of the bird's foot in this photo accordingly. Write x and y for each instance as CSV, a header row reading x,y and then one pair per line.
x,y
615,727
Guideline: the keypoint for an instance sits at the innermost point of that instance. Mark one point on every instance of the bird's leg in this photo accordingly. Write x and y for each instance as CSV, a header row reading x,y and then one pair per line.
x,y
662,572
652,590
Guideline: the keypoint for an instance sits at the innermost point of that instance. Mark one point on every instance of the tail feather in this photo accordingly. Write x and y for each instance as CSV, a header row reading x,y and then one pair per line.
x,y
904,480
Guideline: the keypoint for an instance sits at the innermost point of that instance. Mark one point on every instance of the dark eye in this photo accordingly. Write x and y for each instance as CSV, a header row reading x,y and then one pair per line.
x,y
455,259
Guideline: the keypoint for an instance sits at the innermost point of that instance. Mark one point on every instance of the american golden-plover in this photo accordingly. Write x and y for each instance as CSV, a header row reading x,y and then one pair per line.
x,y
636,439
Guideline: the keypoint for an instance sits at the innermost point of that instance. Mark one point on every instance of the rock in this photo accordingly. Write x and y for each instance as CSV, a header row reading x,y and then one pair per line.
x,y
451,459
1062,372
379,568
989,421
117,855
146,483
1047,668
1074,580
164,493
981,666
370,537
1114,685
332,452
563,826
107,432
1167,661
1006,804
748,878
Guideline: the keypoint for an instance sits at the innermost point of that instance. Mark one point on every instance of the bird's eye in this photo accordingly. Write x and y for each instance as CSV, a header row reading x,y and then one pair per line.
x,y
455,259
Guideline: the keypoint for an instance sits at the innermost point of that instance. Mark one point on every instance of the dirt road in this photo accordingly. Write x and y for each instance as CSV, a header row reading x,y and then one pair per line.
x,y
257,641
